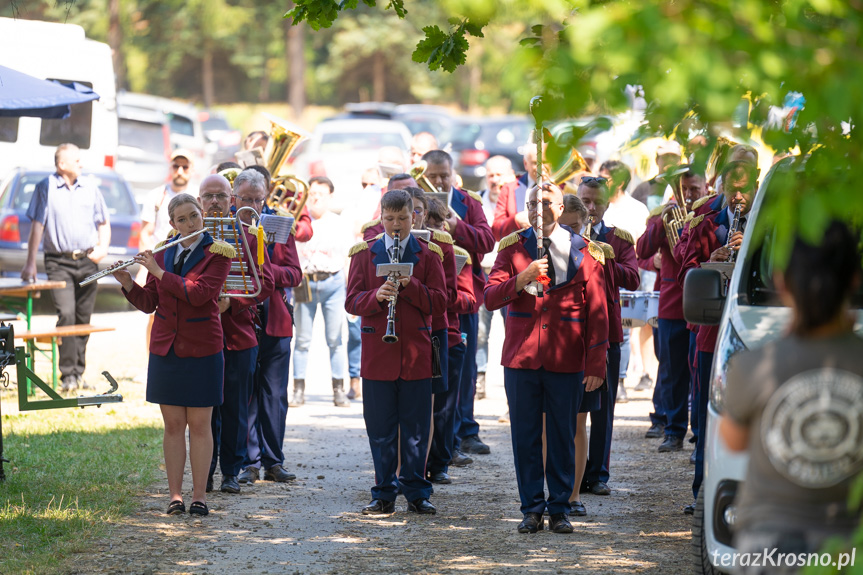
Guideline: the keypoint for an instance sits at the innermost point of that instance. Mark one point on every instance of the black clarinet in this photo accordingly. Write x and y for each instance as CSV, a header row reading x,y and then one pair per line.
x,y
735,225
390,336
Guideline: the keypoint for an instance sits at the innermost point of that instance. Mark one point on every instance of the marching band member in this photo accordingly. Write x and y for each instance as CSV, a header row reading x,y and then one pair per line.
x,y
442,451
397,391
230,420
544,371
621,272
373,228
469,228
185,369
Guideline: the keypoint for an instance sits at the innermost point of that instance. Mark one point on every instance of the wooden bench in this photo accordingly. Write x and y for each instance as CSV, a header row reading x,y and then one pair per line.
x,y
55,336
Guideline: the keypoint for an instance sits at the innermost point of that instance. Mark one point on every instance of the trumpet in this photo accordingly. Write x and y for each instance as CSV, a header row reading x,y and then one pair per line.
x,y
675,219
390,336
417,172
123,265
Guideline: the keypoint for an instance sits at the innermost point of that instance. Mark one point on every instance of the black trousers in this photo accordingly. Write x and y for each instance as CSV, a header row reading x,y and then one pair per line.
x,y
74,305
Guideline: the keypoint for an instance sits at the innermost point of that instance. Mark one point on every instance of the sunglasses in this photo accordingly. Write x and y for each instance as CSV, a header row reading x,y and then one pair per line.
x,y
591,179
178,167
545,204
367,184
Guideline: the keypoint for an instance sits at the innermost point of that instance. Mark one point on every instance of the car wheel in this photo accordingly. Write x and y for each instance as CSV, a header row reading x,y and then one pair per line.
x,y
700,558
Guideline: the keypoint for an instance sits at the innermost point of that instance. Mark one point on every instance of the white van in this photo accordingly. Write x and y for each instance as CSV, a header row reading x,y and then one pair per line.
x,y
59,52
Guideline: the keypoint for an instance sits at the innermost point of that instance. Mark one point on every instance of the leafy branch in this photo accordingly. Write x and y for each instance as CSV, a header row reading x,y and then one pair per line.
x,y
322,13
446,50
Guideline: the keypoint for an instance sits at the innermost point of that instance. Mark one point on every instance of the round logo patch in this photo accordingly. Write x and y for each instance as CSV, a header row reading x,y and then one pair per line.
x,y
813,427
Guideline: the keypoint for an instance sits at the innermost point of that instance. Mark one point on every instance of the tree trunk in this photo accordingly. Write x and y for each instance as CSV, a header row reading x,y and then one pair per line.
x,y
379,77
296,58
475,79
207,77
115,40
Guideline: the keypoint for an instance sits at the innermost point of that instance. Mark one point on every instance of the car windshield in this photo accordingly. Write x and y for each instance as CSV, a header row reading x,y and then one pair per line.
x,y
356,141
145,136
214,123
117,196
499,134
181,125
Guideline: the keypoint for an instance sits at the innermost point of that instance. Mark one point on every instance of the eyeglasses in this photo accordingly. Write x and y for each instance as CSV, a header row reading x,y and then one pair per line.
x,y
215,197
418,211
250,201
591,179
178,167
367,184
545,204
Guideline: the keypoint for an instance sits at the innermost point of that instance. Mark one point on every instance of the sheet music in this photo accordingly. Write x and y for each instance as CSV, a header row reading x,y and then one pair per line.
x,y
277,228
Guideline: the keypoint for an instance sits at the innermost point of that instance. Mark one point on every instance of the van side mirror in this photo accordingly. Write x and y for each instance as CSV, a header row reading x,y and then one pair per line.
x,y
702,297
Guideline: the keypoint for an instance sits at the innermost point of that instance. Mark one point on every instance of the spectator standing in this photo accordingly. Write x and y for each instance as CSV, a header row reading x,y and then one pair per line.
x,y
422,143
69,218
652,191
323,261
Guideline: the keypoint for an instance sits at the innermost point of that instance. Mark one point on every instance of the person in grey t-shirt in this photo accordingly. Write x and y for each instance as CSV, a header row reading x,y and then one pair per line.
x,y
69,217
796,405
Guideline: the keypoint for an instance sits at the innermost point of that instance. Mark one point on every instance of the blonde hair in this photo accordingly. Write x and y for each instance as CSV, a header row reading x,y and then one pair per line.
x,y
181,199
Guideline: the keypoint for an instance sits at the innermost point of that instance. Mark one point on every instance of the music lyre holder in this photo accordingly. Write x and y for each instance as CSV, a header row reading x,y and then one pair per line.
x,y
397,270
10,354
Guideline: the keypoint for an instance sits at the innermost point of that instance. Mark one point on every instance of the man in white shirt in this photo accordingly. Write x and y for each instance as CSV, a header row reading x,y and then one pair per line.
x,y
323,260
154,214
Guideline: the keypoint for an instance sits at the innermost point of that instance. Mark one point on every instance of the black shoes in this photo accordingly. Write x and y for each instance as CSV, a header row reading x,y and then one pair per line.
x,y
421,506
248,475
531,523
689,509
459,459
473,444
379,507
671,443
230,484
176,507
599,488
278,474
656,431
559,523
199,508
578,509
440,477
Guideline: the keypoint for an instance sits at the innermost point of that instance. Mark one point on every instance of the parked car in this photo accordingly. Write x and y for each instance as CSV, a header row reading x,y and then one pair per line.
x,y
219,132
145,148
421,118
474,140
15,226
343,149
749,316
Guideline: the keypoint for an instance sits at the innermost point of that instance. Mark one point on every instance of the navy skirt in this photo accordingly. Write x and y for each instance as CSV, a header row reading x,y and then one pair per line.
x,y
592,400
186,381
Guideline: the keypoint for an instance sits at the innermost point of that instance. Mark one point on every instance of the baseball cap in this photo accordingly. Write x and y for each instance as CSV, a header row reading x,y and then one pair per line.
x,y
669,147
182,153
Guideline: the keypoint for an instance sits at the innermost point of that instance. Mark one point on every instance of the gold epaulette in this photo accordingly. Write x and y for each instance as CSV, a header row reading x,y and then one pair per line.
x,y
695,221
607,250
657,210
474,195
223,249
294,229
463,252
172,233
509,240
379,236
436,249
624,235
701,201
596,251
442,237
370,224
252,229
688,217
357,248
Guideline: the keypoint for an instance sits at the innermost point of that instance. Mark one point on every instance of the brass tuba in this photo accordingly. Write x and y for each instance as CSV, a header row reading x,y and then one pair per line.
x,y
282,142
572,165
288,196
417,172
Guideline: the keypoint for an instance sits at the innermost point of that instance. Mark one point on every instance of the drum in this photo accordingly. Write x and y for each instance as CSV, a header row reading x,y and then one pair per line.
x,y
634,308
653,308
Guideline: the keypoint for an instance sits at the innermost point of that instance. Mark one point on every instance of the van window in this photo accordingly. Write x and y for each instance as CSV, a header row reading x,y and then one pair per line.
x,y
354,141
145,136
117,197
74,130
181,125
8,129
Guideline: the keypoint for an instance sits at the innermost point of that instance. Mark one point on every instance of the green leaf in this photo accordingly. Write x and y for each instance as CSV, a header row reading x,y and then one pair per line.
x,y
435,37
397,5
474,29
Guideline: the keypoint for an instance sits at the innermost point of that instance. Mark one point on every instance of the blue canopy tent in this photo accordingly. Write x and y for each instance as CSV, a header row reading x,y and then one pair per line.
x,y
23,95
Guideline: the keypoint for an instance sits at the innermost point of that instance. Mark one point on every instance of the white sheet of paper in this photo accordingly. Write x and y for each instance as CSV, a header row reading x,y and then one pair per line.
x,y
278,228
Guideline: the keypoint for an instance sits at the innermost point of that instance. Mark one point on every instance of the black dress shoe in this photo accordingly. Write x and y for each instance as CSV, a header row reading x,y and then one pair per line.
x,y
422,506
248,475
230,484
692,458
440,477
278,474
656,431
473,444
379,507
689,509
600,488
671,443
209,483
459,459
531,523
693,439
578,509
585,487
559,523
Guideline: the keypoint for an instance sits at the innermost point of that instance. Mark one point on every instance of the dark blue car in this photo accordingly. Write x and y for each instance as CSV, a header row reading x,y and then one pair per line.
x,y
15,226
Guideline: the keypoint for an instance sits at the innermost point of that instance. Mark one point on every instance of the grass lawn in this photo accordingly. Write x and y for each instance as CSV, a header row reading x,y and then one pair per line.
x,y
72,474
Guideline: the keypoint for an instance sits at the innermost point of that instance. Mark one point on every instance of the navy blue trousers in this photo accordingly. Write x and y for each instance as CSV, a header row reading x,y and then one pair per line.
x,y
393,410
268,403
693,382
705,364
657,416
230,421
466,425
443,434
602,423
674,370
529,393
